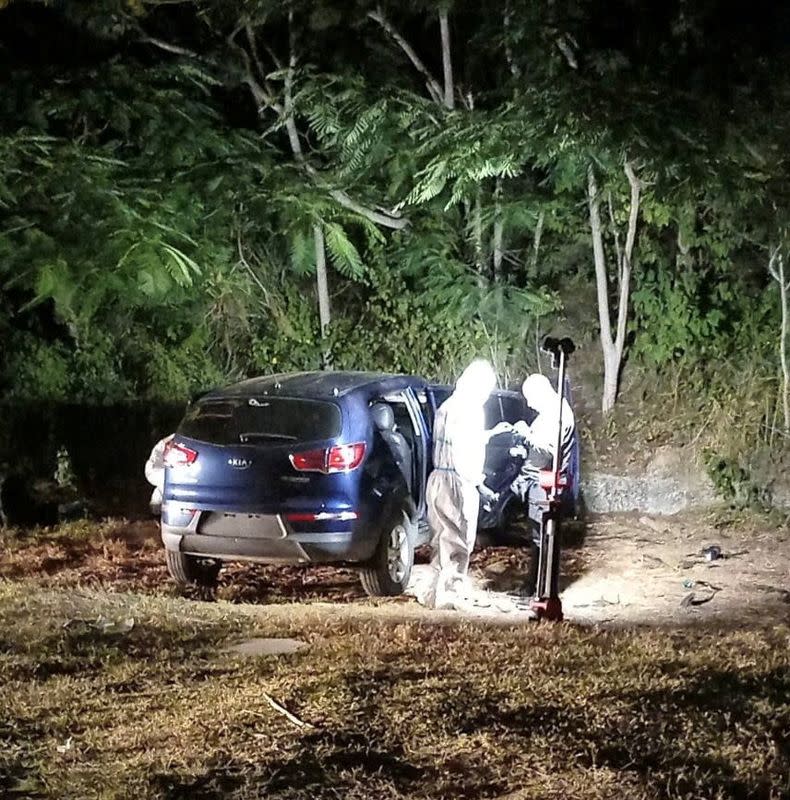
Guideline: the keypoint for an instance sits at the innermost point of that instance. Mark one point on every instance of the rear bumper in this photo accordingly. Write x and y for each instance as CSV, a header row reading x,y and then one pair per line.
x,y
266,539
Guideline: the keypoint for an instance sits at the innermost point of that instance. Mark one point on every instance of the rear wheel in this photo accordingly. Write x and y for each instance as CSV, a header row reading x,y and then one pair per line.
x,y
188,570
387,573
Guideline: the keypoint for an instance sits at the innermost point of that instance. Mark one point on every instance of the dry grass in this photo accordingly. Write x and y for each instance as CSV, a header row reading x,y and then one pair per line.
x,y
117,555
399,709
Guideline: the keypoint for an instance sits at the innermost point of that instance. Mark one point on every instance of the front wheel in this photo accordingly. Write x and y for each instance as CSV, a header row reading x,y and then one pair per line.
x,y
387,573
188,570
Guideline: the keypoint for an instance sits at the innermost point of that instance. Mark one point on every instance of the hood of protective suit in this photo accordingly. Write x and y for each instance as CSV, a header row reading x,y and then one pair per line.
x,y
539,393
476,383
541,396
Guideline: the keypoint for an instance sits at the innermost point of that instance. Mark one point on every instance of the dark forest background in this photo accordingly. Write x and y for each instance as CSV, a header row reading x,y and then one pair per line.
x,y
192,192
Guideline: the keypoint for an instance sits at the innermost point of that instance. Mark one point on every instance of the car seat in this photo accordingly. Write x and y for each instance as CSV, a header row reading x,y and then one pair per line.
x,y
384,420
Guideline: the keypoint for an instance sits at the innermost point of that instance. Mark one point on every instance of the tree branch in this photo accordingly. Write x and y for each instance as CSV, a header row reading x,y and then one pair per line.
x,y
387,219
290,122
248,30
594,203
625,266
515,70
636,187
615,232
264,98
434,89
170,48
772,262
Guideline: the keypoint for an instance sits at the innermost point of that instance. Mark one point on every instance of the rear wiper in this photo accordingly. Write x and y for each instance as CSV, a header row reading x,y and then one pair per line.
x,y
246,437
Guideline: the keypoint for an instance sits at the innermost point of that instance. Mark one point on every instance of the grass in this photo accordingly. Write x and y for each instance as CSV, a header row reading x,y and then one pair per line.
x,y
397,709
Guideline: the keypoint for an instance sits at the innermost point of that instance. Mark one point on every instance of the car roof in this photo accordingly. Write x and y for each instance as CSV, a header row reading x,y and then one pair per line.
x,y
317,384
446,387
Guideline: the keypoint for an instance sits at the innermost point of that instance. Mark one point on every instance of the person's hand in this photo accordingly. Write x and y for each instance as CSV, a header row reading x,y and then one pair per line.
x,y
520,486
489,496
520,451
522,430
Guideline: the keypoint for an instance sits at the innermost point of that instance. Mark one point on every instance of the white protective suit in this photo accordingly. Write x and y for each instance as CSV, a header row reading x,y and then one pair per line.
x,y
542,434
542,439
155,470
453,490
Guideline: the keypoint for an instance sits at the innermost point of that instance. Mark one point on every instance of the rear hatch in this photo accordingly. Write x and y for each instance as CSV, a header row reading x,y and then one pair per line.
x,y
243,448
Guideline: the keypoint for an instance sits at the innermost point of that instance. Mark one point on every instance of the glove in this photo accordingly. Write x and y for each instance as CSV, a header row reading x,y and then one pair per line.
x,y
489,496
501,427
522,430
520,486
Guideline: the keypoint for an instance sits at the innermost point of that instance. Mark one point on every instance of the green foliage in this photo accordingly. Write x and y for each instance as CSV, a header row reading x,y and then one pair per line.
x,y
342,251
157,233
733,483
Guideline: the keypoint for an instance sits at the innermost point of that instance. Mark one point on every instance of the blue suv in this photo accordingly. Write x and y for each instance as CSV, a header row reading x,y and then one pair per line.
x,y
293,469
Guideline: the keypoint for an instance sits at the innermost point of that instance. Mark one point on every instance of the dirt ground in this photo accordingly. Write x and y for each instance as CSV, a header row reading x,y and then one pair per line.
x,y
616,570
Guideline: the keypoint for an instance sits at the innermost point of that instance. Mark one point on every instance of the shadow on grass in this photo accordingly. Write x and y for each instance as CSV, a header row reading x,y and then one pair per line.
x,y
332,764
682,742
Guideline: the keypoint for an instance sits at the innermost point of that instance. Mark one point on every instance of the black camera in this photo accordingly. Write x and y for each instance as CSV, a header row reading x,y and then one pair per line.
x,y
556,346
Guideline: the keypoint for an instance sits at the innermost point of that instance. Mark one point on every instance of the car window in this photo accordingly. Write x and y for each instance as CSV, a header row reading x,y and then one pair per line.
x,y
513,409
493,411
254,420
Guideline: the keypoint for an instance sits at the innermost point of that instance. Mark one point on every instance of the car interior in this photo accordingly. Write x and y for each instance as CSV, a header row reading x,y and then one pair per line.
x,y
404,427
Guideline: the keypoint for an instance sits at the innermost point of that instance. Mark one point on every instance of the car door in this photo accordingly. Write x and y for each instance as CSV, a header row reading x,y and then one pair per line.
x,y
410,420
435,395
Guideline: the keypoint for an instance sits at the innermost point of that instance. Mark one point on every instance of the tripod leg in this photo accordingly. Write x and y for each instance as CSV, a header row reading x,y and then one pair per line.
x,y
546,603
543,573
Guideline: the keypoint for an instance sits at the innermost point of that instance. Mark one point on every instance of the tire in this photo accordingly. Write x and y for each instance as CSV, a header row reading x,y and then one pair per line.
x,y
387,573
191,570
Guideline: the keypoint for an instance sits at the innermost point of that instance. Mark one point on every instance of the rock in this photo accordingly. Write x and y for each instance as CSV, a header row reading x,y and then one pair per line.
x,y
267,647
672,481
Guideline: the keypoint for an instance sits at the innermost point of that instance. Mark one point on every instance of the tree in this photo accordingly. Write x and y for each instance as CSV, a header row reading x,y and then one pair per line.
x,y
251,71
613,339
776,268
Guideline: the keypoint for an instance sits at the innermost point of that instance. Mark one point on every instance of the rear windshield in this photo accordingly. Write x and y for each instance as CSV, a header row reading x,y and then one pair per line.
x,y
252,420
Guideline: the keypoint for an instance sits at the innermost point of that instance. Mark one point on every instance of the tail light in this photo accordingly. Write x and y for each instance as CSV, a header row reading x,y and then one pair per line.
x,y
179,455
551,480
321,516
345,457
342,458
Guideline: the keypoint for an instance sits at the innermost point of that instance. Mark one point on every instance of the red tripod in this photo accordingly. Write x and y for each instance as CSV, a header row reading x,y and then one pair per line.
x,y
546,603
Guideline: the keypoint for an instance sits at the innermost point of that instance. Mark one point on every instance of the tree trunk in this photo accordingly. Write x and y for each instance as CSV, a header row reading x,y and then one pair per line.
x,y
776,266
536,242
447,61
499,231
477,235
324,310
611,380
610,366
612,342
322,281
783,288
